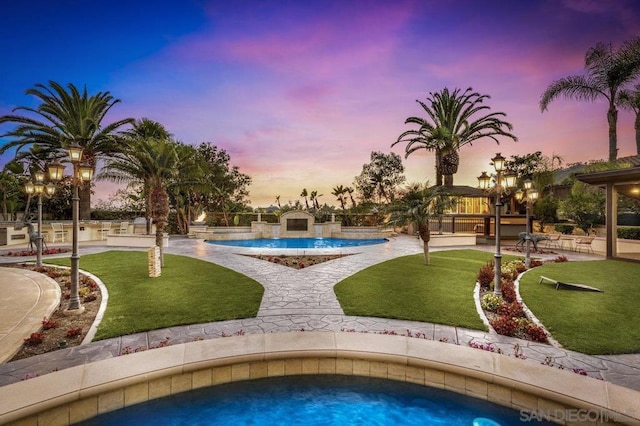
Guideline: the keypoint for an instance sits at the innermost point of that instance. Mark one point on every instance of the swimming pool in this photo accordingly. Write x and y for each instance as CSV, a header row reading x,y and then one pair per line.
x,y
300,243
314,400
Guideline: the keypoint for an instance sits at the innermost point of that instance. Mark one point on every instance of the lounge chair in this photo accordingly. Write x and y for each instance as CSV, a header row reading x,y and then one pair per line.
x,y
584,242
58,232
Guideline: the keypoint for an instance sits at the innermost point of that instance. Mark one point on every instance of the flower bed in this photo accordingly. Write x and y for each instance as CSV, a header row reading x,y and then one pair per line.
x,y
297,262
505,313
26,253
59,330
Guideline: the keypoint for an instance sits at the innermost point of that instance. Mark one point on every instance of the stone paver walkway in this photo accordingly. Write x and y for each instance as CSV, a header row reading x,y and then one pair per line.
x,y
303,300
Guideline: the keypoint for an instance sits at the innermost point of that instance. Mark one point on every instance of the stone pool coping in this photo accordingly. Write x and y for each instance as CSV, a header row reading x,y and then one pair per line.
x,y
84,391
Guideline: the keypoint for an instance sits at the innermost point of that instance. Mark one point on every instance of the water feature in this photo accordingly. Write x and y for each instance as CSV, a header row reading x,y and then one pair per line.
x,y
299,243
314,400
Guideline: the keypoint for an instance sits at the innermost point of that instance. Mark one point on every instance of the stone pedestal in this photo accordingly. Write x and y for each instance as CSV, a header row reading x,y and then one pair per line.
x,y
154,262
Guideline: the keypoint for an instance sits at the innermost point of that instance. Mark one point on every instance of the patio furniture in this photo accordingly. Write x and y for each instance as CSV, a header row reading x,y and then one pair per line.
x,y
553,240
58,232
584,242
105,227
140,225
123,229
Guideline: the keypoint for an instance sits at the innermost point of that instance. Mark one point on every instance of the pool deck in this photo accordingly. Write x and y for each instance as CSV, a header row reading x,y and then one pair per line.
x,y
294,300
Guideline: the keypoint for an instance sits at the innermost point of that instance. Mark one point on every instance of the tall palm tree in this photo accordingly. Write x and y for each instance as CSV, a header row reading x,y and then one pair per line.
x,y
305,194
417,205
63,117
607,71
454,119
630,99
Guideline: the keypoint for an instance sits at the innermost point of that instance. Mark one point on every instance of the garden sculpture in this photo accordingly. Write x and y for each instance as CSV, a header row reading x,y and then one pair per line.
x,y
33,235
522,239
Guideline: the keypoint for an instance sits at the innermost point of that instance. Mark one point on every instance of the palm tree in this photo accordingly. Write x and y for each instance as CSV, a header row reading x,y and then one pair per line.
x,y
631,100
153,162
64,117
349,190
416,205
142,130
339,192
305,194
454,119
607,71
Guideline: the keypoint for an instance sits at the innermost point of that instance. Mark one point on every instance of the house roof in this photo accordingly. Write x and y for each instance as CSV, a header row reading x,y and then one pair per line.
x,y
626,181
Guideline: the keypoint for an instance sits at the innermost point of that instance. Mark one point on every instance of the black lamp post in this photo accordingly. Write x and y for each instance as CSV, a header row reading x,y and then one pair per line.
x,y
38,187
529,196
501,187
81,173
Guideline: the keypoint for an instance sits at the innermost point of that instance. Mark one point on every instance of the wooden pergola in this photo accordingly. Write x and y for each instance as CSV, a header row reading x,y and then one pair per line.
x,y
620,181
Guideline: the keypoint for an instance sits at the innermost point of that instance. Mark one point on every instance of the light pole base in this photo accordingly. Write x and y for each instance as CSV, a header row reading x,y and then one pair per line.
x,y
72,312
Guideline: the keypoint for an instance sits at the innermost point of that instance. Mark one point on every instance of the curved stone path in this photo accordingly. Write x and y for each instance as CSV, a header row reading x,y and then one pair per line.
x,y
303,300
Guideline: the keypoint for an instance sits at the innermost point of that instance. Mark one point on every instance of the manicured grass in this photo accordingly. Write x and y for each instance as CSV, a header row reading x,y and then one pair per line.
x,y
189,291
405,288
588,322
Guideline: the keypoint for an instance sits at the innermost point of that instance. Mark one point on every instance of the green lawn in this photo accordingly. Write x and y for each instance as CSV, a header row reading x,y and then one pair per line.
x,y
405,288
189,291
587,322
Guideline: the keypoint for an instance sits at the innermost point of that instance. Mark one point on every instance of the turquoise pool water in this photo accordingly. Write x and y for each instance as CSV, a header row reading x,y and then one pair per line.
x,y
314,400
299,243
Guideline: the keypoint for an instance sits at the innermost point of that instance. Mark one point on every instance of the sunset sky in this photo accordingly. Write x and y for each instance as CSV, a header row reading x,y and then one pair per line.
x,y
300,92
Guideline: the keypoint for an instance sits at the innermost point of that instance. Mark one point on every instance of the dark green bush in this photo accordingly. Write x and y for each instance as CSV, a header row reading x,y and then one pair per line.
x,y
564,228
629,233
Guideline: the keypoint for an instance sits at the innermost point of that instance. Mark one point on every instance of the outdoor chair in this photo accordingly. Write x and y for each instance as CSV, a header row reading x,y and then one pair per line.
x,y
123,229
584,242
105,227
553,240
58,232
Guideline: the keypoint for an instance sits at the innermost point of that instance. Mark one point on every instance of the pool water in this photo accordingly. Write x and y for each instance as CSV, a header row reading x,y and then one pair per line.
x,y
314,400
299,243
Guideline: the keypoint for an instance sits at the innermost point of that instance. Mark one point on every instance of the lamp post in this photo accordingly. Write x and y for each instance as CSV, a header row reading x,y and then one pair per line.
x,y
501,188
529,196
81,173
38,187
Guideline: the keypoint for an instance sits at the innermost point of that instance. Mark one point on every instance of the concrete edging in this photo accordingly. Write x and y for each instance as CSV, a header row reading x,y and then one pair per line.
x,y
82,392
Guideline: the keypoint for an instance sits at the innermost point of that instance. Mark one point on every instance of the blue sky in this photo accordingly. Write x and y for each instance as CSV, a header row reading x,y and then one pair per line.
x,y
300,92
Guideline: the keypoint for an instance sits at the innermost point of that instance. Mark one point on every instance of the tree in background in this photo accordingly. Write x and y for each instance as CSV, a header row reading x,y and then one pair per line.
x,y
11,188
607,72
63,117
454,119
380,179
585,206
416,205
546,210
630,100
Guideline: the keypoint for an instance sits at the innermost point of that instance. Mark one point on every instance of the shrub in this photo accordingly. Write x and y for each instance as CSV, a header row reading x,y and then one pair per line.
x,y
34,339
561,259
533,263
564,228
84,291
74,332
485,275
48,324
504,325
629,233
511,310
491,302
508,291
536,333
